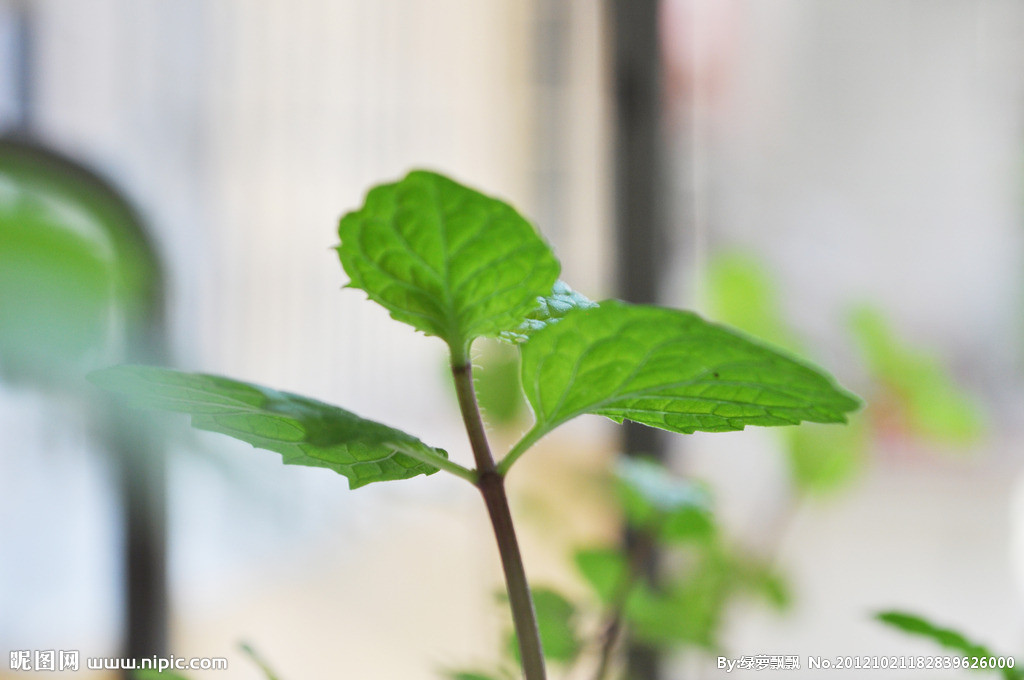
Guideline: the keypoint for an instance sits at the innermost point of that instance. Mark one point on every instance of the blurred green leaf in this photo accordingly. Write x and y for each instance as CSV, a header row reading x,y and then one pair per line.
x,y
654,499
655,490
681,616
56,290
687,524
945,637
304,431
774,588
556,623
497,384
673,614
445,258
669,369
741,293
604,569
824,459
689,607
76,267
934,405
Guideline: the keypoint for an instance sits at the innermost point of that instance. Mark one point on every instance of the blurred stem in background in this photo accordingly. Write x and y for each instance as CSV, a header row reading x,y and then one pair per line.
x,y
639,183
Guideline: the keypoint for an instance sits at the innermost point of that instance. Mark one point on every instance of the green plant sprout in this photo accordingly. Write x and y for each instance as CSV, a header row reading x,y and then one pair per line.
x,y
459,265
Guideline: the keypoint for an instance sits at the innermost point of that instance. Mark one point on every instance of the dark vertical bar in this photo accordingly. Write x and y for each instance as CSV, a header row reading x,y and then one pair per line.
x,y
140,453
639,211
638,161
142,481
24,53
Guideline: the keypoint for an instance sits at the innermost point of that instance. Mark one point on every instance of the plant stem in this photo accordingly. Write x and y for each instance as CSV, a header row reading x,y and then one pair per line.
x,y
528,440
492,486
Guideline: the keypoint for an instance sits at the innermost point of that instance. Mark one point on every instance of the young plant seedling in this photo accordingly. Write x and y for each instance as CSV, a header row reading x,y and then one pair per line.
x,y
459,265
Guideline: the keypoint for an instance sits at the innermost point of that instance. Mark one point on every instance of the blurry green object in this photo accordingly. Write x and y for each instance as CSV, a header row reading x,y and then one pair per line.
x,y
934,406
741,293
670,508
603,568
981,658
689,609
908,382
56,289
821,460
685,610
687,606
75,270
498,390
556,620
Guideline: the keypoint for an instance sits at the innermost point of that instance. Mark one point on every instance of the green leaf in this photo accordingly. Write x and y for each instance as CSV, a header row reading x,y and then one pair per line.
x,y
446,259
56,290
824,459
691,606
496,378
658,489
774,588
681,615
742,294
950,639
304,431
550,309
652,498
669,369
555,616
604,569
934,405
